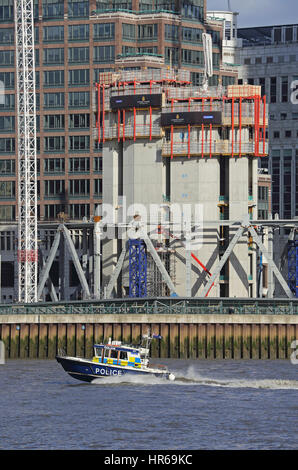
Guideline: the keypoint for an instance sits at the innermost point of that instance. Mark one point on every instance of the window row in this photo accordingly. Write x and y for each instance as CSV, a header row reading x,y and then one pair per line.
x,y
57,121
75,99
79,187
56,165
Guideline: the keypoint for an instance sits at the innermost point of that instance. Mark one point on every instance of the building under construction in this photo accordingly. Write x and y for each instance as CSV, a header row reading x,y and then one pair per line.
x,y
167,143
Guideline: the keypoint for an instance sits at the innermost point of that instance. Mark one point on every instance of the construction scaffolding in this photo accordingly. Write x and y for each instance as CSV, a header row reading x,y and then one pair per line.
x,y
163,104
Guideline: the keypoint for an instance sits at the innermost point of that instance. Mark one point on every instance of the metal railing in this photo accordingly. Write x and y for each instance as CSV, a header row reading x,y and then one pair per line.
x,y
197,148
162,306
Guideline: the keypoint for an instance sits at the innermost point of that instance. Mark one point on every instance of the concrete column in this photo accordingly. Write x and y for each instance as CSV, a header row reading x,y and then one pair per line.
x,y
238,206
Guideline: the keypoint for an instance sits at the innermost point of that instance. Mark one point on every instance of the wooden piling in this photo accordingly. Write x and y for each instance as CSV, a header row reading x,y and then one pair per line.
x,y
52,340
24,341
193,341
184,341
33,341
174,341
202,341
218,340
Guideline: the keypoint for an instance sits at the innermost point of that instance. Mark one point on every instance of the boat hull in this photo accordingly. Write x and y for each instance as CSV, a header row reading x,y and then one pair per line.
x,y
87,370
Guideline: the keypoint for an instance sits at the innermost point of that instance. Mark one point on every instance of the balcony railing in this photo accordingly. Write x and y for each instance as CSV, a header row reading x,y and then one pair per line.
x,y
213,148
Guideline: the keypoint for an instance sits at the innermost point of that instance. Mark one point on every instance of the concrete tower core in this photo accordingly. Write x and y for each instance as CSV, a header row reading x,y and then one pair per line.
x,y
185,160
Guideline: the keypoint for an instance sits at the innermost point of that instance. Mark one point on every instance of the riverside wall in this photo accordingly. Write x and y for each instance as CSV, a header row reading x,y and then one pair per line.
x,y
214,336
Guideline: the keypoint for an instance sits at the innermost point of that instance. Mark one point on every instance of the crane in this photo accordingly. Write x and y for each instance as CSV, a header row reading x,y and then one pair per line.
x,y
26,144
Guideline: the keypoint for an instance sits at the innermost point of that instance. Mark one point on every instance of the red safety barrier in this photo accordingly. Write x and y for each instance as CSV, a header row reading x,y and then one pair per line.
x,y
264,123
240,126
98,110
103,113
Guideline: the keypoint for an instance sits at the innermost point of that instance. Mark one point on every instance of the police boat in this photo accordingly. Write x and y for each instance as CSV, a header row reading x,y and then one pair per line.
x,y
114,359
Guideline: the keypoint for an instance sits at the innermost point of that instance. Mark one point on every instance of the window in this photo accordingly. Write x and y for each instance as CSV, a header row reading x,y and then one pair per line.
x,y
79,121
273,89
192,57
78,55
53,78
78,9
123,355
128,50
53,100
6,58
289,34
7,123
53,34
262,82
171,55
79,165
192,11
78,32
54,121
54,144
98,187
54,165
171,32
79,142
104,54
215,36
216,59
78,77
284,89
53,56
247,61
288,134
7,190
277,35
148,31
276,134
128,31
80,188
7,145
196,78
53,9
8,104
269,60
97,164
7,78
6,11
7,212
7,167
258,60
54,188
147,50
192,35
283,116
52,211
6,36
79,99
78,211
104,31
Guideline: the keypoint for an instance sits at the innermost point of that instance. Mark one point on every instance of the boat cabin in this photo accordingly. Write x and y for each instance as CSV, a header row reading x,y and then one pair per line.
x,y
117,354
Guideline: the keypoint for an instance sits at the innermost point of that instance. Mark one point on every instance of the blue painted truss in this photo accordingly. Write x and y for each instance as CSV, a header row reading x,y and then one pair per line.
x,y
293,266
137,268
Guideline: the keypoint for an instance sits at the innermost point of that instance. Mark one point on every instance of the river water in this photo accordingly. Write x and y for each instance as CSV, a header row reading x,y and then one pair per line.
x,y
211,405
